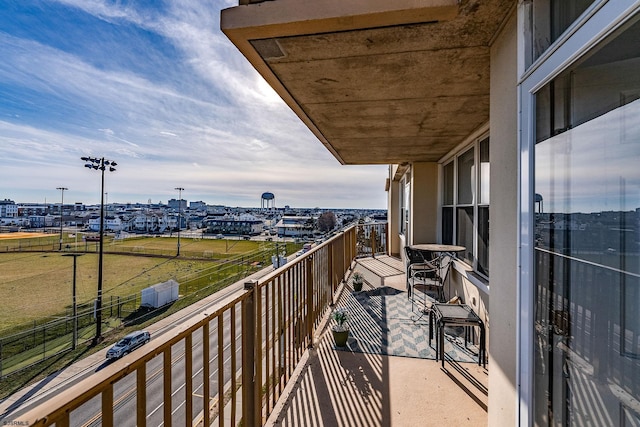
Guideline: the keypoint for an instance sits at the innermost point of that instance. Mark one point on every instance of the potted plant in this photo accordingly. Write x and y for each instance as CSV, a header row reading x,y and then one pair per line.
x,y
357,281
340,330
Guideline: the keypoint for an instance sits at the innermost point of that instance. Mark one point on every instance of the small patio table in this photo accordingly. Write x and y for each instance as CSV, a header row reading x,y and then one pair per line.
x,y
437,247
455,315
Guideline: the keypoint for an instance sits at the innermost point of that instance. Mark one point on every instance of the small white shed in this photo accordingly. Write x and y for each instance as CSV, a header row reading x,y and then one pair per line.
x,y
160,294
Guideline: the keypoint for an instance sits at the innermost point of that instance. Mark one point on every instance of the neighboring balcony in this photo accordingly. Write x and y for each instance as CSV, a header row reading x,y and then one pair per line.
x,y
266,355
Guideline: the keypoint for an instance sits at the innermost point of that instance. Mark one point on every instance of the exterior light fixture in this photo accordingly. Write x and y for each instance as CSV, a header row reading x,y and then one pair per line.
x,y
101,164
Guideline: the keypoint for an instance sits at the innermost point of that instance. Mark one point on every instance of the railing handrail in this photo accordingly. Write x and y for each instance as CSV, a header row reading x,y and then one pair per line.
x,y
101,380
591,263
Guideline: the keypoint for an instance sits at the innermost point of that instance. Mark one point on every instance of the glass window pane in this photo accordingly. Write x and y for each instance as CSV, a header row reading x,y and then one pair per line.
x,y
464,231
484,172
466,178
402,208
448,184
447,226
483,240
587,239
550,18
405,207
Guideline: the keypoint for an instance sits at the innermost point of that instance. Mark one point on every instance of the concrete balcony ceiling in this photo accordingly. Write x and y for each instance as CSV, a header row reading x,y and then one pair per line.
x,y
376,81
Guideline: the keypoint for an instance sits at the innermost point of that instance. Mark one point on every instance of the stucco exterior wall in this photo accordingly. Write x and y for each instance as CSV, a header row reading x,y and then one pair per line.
x,y
424,202
477,297
503,232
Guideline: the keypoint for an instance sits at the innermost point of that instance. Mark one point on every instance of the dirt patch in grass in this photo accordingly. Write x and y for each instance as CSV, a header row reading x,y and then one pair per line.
x,y
21,235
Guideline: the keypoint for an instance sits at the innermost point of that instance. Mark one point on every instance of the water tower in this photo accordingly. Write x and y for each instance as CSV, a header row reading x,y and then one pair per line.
x,y
268,201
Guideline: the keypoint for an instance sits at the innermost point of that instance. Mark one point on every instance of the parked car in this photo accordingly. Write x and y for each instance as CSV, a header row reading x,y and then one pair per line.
x,y
127,344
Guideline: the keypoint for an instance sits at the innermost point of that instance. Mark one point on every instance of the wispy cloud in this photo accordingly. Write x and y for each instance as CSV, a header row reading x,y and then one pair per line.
x,y
160,89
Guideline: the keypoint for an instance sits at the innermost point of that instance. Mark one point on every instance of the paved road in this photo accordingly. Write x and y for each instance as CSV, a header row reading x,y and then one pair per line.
x,y
125,390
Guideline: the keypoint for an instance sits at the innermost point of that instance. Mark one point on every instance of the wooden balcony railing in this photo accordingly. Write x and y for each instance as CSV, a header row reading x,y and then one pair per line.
x,y
371,239
221,367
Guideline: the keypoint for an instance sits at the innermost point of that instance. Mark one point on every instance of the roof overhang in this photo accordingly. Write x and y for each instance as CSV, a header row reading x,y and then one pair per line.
x,y
377,82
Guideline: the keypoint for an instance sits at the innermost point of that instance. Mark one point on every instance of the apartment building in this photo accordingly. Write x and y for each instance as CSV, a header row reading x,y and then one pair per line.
x,y
511,129
8,209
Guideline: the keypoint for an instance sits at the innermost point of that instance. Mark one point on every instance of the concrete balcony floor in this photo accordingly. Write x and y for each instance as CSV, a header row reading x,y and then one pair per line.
x,y
345,388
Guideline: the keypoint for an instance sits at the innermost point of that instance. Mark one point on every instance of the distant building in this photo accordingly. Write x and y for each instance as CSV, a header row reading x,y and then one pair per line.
x,y
177,204
296,226
9,214
235,225
216,210
147,222
172,221
36,221
198,206
8,209
26,209
111,223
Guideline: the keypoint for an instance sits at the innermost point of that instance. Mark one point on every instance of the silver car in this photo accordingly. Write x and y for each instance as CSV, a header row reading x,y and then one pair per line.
x,y
127,344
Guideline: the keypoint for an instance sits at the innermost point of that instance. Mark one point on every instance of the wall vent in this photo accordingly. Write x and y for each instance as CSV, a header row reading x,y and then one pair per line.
x,y
268,48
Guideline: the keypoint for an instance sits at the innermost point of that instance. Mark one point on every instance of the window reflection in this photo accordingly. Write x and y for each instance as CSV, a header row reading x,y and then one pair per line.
x,y
550,18
466,175
587,240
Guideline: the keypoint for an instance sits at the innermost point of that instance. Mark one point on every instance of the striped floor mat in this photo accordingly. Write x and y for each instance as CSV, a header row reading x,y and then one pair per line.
x,y
381,322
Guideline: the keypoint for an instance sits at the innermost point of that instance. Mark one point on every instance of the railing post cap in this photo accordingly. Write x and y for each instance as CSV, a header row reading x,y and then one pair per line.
x,y
251,284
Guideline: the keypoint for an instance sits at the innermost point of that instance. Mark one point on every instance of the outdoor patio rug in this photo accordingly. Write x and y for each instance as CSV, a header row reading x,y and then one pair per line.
x,y
380,321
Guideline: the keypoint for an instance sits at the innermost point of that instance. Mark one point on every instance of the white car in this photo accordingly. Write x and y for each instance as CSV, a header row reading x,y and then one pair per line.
x,y
127,344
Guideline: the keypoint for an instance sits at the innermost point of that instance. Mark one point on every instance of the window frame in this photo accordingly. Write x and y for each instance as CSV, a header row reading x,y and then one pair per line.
x,y
473,146
405,206
596,24
529,17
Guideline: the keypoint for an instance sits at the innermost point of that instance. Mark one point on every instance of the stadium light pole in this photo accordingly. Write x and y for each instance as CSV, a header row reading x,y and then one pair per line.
x,y
61,208
100,164
180,189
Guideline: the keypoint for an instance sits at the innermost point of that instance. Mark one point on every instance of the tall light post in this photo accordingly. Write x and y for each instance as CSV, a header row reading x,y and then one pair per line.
x,y
100,164
179,215
74,342
61,209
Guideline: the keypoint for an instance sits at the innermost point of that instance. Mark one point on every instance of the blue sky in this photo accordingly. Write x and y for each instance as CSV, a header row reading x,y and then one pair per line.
x,y
158,88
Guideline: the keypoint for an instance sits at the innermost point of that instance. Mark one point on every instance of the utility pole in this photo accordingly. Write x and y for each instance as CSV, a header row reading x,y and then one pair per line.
x,y
61,209
74,342
180,189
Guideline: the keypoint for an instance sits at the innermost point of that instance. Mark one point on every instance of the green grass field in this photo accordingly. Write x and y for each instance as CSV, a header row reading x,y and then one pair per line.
x,y
35,286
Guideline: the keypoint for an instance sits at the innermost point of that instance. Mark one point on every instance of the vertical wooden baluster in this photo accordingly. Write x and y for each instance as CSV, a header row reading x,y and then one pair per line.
x,y
206,373
188,377
141,396
166,355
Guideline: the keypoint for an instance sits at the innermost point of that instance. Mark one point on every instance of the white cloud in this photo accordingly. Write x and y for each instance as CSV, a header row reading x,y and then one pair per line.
x,y
200,117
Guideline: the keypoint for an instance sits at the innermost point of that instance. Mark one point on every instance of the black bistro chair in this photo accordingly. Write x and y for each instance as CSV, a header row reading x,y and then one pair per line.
x,y
424,274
